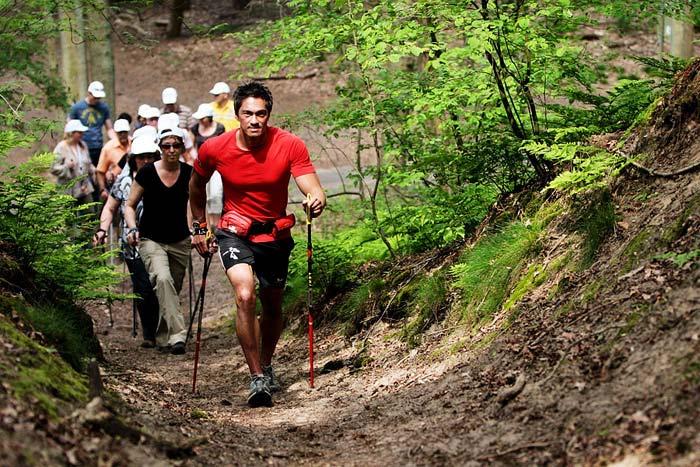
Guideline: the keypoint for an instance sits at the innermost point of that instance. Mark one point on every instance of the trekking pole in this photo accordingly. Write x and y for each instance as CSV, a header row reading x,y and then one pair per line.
x,y
133,322
309,264
134,255
191,280
207,262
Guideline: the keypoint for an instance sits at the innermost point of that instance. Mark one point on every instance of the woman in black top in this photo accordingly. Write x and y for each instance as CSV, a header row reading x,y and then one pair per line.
x,y
163,236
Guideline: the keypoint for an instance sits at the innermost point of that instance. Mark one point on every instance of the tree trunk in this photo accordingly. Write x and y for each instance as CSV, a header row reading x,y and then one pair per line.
x,y
681,38
100,56
73,60
239,4
177,12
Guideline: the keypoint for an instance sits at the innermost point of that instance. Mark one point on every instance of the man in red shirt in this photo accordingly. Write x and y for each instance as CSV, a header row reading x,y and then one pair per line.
x,y
255,162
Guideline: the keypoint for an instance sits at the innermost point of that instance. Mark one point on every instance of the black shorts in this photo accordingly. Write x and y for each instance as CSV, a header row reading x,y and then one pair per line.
x,y
270,260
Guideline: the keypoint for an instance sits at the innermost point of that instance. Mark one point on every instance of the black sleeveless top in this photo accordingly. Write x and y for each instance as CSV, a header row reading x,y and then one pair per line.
x,y
164,218
199,139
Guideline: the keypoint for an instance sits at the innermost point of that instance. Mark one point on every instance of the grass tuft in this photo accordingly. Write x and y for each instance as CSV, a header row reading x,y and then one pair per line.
x,y
484,271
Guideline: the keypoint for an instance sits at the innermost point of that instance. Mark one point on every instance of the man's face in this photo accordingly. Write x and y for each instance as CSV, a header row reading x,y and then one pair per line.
x,y
92,100
170,108
153,122
253,116
221,98
123,137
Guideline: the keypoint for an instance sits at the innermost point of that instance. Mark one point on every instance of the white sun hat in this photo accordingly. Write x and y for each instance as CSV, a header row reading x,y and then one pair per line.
x,y
203,111
74,125
220,88
143,110
144,145
97,89
169,120
151,112
171,132
121,125
169,96
147,132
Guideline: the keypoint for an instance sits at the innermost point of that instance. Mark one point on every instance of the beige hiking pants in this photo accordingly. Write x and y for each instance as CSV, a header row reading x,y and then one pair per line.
x,y
166,264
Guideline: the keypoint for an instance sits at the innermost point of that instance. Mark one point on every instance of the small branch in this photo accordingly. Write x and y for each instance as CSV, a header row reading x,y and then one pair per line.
x,y
333,195
655,173
305,75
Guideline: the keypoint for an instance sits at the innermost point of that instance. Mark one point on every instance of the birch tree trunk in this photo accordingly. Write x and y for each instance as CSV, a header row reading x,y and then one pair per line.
x,y
73,59
100,56
681,38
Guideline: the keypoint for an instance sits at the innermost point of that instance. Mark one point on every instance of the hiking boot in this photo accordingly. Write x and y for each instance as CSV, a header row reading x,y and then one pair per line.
x,y
272,381
178,348
148,344
260,394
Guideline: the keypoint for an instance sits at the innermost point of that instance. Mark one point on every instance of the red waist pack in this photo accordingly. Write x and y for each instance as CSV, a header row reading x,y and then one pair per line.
x,y
245,227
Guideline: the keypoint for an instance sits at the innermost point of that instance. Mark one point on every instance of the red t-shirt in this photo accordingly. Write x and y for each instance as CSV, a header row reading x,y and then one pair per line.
x,y
255,182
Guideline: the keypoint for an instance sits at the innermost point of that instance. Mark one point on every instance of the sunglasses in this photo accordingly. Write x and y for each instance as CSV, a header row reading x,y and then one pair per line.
x,y
145,156
168,146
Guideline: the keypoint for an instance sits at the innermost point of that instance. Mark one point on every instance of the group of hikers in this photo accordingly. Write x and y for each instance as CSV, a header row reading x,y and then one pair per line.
x,y
216,181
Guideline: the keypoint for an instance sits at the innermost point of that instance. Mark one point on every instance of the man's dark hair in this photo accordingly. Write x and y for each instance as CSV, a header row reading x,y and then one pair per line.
x,y
125,116
252,89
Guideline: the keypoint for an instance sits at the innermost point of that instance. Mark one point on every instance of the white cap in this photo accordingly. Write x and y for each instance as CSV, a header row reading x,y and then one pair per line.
x,y
169,120
171,132
143,110
144,145
97,89
204,110
146,132
74,125
121,125
169,96
220,88
151,112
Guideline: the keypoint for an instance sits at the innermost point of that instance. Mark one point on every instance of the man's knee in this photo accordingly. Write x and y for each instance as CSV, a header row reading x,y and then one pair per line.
x,y
245,298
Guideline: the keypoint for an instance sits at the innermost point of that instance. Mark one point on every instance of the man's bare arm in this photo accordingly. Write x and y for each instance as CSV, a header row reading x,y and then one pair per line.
x,y
310,184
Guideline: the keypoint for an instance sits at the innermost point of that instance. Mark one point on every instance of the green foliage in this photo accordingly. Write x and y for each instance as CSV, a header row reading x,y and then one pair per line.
x,y
680,259
484,271
444,94
589,168
438,218
36,374
50,234
336,259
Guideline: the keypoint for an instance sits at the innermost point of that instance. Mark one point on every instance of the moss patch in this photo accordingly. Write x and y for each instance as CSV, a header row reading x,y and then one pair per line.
x,y
427,306
34,373
65,326
595,222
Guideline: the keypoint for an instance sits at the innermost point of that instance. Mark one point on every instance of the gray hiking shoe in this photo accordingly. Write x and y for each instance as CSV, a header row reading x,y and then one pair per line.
x,y
260,394
272,381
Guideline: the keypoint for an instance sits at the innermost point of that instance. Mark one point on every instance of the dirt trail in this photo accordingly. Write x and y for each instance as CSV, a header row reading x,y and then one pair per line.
x,y
337,422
